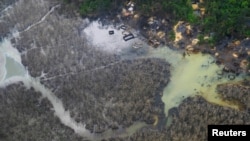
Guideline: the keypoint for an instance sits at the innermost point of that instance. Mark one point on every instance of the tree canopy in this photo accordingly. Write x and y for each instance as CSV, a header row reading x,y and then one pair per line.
x,y
222,17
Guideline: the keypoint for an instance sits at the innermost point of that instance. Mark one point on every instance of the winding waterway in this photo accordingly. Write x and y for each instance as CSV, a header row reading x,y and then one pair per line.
x,y
194,74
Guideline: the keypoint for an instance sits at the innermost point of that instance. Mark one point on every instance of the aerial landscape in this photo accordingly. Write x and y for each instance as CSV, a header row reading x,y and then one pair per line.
x,y
122,70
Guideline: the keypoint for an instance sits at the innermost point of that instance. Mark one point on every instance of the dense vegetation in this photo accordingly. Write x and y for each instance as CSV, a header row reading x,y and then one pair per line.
x,y
95,7
227,18
222,18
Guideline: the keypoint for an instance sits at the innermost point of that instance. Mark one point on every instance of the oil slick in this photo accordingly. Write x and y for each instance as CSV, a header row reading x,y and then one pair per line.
x,y
194,74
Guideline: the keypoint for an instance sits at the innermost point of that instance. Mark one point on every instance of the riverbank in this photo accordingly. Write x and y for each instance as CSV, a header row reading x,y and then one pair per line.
x,y
87,91
85,85
229,53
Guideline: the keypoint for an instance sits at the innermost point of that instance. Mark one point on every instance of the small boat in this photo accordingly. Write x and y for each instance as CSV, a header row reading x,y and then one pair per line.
x,y
137,45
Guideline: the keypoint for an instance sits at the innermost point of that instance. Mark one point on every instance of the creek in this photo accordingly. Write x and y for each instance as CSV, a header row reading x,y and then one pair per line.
x,y
194,74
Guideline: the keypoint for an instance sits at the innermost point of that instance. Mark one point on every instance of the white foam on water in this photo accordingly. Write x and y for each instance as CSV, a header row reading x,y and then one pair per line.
x,y
99,37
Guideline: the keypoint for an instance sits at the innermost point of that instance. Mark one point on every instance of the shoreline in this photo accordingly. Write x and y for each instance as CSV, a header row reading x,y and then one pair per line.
x,y
104,91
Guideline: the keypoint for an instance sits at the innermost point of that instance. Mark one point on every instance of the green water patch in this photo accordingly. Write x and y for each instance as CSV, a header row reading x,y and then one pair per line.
x,y
2,68
13,68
